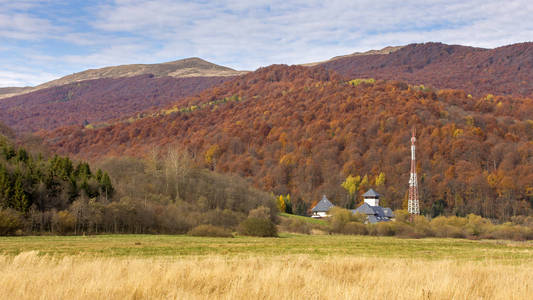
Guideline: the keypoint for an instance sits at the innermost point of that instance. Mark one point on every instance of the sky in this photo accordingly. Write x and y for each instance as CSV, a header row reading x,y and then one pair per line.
x,y
44,40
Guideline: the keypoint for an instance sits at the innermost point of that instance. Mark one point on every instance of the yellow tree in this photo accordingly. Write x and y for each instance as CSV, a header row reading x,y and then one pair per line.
x,y
380,179
364,182
351,185
281,203
211,156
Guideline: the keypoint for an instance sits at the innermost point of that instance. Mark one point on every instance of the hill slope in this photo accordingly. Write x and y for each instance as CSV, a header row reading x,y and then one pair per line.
x,y
12,91
303,130
189,67
505,70
97,100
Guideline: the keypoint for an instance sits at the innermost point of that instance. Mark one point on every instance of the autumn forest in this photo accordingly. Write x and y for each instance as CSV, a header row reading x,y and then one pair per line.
x,y
152,154
303,131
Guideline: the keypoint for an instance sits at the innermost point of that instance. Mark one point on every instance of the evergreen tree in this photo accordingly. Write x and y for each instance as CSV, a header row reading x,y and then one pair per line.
x,y
19,200
106,186
8,151
5,187
22,155
83,171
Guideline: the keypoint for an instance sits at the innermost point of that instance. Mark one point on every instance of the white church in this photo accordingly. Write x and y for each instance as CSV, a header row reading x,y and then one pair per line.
x,y
370,208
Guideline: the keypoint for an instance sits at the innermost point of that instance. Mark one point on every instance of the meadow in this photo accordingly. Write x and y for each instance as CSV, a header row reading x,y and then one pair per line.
x,y
289,267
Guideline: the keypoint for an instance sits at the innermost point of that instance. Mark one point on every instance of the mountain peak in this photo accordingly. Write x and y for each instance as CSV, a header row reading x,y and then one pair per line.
x,y
188,67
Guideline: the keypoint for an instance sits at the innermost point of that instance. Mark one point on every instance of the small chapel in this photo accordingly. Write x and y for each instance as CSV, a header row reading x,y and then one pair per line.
x,y
372,210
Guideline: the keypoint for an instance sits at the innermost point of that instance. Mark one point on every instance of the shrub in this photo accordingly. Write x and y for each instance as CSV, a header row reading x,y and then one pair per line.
x,y
508,231
477,226
296,225
253,226
422,227
403,230
447,227
223,218
262,212
385,229
340,217
210,230
355,228
401,215
64,222
10,222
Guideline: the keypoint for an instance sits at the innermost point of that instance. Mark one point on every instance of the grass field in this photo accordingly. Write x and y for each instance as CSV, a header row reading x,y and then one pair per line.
x,y
305,219
287,244
289,267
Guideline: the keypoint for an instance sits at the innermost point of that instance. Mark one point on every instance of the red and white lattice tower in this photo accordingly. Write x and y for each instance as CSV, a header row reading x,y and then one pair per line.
x,y
413,206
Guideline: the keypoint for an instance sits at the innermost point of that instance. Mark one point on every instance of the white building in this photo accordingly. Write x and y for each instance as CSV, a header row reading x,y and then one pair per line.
x,y
371,208
322,208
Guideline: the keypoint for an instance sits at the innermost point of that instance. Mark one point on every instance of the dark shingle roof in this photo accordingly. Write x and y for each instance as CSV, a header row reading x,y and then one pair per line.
x,y
374,213
323,205
371,193
388,212
378,211
365,208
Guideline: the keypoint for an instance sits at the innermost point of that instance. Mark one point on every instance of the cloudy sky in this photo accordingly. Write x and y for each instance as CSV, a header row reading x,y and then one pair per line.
x,y
44,40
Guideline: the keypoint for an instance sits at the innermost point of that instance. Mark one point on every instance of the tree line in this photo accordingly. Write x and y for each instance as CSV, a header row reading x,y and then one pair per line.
x,y
165,193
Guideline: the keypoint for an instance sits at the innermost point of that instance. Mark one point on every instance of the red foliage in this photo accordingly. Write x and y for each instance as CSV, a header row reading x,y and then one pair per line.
x,y
505,70
303,130
97,100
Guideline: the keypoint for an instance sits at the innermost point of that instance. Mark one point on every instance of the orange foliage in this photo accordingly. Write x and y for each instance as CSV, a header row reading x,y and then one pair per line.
x,y
303,130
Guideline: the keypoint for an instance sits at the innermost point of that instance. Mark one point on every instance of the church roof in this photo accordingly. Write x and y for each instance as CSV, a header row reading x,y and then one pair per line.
x,y
323,205
371,193
365,208
388,212
374,213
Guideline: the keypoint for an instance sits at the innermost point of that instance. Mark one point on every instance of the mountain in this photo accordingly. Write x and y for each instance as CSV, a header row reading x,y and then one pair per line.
x,y
12,91
302,131
189,67
386,50
98,100
108,93
506,70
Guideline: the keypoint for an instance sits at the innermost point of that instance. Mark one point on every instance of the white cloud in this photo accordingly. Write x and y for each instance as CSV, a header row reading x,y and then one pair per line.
x,y
24,27
18,78
248,34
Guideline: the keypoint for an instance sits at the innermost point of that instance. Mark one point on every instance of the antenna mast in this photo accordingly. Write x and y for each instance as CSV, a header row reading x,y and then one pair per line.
x,y
413,206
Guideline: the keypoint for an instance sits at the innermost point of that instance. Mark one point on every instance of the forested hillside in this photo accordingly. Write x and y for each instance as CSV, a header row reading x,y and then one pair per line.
x,y
505,70
164,194
98,100
304,131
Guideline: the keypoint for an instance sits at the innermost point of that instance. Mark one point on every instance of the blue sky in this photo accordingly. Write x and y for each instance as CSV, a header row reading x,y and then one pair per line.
x,y
44,40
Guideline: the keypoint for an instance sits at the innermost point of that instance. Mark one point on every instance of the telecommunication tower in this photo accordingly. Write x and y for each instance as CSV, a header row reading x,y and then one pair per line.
x,y
413,206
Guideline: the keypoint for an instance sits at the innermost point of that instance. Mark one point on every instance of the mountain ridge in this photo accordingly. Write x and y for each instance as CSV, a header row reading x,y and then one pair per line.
x,y
506,70
183,68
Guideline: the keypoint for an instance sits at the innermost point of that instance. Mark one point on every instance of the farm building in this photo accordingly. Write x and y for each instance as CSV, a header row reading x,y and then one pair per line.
x,y
371,208
322,208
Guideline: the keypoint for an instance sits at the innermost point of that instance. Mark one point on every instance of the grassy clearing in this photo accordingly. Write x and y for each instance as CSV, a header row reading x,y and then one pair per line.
x,y
305,219
287,244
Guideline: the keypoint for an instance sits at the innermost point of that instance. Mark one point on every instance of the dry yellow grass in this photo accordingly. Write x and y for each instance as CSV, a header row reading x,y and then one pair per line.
x,y
29,276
